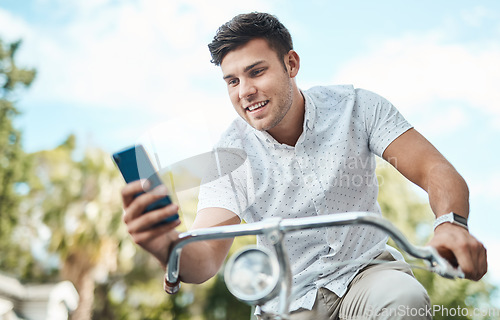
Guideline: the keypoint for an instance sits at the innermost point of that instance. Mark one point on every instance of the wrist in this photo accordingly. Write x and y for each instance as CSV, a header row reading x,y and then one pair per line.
x,y
451,218
163,252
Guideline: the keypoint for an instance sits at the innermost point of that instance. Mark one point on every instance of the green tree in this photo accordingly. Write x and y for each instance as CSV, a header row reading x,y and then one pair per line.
x,y
411,213
78,202
13,161
222,305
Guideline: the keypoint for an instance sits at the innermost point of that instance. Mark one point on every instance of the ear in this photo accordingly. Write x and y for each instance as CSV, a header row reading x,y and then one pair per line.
x,y
292,61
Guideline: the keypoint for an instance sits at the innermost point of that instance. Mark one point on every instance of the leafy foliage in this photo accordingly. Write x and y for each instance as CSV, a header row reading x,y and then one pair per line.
x,y
220,305
76,202
14,163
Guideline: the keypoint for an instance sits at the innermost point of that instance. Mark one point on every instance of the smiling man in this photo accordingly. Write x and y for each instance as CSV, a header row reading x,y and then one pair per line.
x,y
312,152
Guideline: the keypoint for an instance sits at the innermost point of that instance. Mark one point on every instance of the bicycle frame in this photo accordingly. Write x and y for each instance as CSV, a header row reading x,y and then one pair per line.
x,y
274,229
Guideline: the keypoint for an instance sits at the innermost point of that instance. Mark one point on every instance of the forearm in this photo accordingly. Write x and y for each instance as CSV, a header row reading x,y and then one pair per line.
x,y
201,260
198,262
422,164
447,190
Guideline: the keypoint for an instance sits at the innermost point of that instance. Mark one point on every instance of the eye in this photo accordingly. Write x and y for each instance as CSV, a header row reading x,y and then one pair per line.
x,y
257,72
232,82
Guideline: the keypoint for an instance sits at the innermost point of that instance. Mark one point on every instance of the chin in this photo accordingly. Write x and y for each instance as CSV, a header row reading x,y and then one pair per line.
x,y
262,125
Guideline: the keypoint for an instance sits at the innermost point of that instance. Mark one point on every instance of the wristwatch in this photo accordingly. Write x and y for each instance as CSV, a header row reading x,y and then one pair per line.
x,y
451,217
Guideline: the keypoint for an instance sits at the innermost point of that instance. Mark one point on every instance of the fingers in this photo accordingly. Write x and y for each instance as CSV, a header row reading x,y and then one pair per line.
x,y
470,255
143,236
130,191
151,219
146,228
135,205
460,248
475,267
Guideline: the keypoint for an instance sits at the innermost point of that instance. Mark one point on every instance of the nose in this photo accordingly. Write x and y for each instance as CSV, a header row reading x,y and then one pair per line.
x,y
247,89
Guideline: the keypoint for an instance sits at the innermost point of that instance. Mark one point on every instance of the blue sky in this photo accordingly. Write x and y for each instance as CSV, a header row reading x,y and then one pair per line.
x,y
114,71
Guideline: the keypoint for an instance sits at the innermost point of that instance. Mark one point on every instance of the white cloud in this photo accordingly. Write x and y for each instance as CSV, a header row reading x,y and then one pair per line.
x,y
495,123
12,28
146,55
455,117
414,71
485,187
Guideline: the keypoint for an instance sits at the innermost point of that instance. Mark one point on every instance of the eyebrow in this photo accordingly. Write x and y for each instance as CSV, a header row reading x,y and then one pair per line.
x,y
247,68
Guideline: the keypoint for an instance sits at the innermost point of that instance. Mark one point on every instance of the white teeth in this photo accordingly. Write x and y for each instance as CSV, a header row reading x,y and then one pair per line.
x,y
258,105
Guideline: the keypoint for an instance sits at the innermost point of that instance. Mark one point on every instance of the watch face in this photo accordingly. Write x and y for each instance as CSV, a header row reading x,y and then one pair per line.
x,y
460,219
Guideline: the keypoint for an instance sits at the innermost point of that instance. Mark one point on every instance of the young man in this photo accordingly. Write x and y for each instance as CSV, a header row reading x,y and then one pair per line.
x,y
312,153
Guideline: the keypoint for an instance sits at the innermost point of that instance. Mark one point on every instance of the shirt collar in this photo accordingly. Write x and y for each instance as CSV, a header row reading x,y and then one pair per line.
x,y
265,136
310,112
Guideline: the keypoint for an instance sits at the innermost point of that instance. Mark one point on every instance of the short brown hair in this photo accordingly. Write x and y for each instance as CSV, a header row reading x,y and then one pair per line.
x,y
245,27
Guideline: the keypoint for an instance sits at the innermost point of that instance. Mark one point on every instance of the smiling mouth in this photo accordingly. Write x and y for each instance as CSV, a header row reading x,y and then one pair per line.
x,y
257,105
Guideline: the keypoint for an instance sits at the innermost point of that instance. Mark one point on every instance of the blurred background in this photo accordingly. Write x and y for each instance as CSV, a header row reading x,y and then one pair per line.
x,y
82,79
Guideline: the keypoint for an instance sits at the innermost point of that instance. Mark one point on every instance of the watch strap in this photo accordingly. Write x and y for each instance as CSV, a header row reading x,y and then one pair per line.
x,y
451,218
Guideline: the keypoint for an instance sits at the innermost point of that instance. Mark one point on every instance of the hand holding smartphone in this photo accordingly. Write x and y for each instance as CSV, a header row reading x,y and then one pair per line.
x,y
135,164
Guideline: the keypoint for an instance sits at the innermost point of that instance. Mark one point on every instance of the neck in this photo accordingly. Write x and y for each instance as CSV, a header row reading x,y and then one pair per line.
x,y
290,128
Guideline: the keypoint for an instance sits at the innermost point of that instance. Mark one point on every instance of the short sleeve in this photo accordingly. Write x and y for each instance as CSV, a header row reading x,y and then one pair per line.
x,y
383,122
227,188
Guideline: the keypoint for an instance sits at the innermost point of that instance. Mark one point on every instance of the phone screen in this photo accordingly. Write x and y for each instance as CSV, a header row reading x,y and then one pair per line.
x,y
134,164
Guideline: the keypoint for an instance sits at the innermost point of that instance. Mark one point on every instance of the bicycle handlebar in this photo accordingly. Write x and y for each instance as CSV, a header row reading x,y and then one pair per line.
x,y
279,226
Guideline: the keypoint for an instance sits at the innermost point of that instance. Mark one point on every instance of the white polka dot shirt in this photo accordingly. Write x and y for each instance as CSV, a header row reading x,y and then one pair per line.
x,y
330,170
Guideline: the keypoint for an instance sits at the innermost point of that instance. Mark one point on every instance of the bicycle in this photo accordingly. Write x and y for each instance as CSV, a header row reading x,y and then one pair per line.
x,y
262,275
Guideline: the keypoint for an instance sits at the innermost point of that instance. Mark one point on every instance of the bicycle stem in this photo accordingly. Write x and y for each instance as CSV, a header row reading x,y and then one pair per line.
x,y
276,238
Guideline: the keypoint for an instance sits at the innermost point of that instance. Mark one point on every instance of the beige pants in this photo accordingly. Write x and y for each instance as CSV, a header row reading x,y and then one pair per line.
x,y
379,291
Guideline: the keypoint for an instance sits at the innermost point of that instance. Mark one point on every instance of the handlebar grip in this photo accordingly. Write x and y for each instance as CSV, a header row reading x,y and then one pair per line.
x,y
171,288
442,267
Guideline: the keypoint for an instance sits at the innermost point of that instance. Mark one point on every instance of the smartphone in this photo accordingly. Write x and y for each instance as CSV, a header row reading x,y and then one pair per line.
x,y
134,164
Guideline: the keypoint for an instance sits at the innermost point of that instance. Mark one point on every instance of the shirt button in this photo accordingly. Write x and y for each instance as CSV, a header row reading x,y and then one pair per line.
x,y
309,179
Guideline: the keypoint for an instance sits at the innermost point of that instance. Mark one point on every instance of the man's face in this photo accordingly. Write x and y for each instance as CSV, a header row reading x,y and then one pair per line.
x,y
259,87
